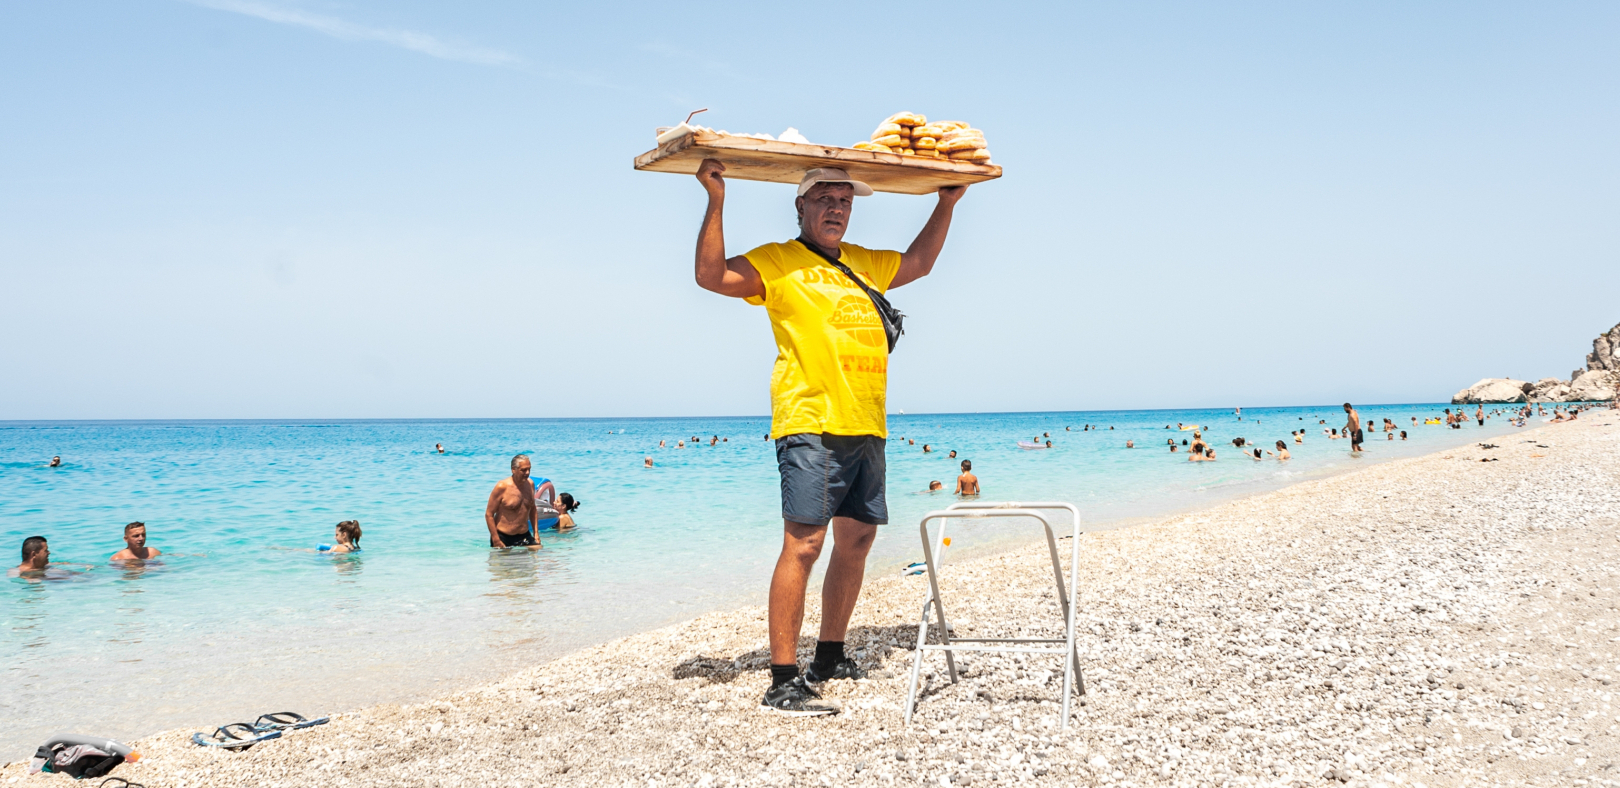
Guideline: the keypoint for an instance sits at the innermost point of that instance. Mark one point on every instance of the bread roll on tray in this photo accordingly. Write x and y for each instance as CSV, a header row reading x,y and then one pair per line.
x,y
961,143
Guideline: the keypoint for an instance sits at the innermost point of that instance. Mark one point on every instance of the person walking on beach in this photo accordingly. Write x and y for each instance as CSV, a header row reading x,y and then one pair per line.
x,y
828,394
510,513
135,548
1352,427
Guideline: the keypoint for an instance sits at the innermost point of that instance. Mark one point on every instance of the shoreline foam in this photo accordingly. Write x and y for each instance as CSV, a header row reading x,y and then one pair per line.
x,y
1200,660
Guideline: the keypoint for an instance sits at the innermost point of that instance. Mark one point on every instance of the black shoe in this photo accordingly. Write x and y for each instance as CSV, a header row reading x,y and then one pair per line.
x,y
842,669
796,699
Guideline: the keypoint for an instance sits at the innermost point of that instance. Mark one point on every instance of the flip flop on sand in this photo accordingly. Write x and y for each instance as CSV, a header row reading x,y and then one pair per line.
x,y
118,782
286,721
235,736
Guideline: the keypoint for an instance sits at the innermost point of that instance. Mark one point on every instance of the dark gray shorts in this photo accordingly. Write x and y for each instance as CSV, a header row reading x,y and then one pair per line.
x,y
826,476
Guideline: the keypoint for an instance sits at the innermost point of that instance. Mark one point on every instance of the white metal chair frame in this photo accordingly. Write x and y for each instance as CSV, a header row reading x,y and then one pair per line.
x,y
976,510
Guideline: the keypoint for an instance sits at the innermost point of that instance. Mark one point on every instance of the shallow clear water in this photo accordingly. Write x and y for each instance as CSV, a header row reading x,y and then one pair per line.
x,y
239,618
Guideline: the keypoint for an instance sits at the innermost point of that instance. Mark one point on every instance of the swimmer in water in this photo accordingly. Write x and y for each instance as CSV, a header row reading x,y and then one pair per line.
x,y
1299,437
936,486
661,444
680,444
1282,451
1403,434
438,447
565,511
1048,444
56,462
967,483
36,556
135,548
347,536
1130,444
926,449
953,454
647,463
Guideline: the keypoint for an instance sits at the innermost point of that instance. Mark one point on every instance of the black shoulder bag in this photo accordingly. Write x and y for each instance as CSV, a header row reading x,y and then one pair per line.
x,y
894,321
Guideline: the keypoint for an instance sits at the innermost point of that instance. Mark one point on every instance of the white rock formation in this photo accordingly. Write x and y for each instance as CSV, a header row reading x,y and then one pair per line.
x,y
1598,382
1493,390
1605,355
1593,386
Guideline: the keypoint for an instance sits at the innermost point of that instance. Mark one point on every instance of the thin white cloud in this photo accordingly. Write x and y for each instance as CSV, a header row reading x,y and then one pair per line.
x,y
348,31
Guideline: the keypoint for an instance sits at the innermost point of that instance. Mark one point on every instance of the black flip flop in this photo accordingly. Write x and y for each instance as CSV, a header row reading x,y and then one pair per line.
x,y
286,721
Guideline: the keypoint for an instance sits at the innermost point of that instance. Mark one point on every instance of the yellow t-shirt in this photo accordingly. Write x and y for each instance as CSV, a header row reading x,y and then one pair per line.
x,y
832,357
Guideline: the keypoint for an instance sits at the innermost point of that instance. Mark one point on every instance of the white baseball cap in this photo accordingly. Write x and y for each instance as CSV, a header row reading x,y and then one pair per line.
x,y
832,175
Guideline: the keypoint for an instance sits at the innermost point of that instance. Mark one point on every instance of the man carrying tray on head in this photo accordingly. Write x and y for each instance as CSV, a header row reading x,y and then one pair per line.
x,y
827,403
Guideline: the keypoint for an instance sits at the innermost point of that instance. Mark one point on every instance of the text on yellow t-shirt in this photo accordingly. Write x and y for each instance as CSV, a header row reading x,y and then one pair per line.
x,y
832,357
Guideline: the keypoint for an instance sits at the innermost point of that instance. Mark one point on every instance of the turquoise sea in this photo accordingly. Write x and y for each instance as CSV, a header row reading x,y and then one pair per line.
x,y
240,618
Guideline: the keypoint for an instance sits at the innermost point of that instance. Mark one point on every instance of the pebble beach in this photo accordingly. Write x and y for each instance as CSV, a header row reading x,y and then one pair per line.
x,y
1443,620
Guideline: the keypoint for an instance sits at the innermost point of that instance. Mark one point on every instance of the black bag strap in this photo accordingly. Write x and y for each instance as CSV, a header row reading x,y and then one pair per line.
x,y
893,319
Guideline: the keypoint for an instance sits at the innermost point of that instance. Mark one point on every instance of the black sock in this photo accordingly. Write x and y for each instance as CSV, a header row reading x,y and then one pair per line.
x,y
828,653
782,674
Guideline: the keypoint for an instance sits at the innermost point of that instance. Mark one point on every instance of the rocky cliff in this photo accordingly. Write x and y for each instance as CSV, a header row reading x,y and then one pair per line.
x,y
1597,382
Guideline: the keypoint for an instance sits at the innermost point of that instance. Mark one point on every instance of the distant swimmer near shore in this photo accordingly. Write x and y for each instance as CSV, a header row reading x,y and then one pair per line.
x,y
56,462
647,463
135,548
1282,451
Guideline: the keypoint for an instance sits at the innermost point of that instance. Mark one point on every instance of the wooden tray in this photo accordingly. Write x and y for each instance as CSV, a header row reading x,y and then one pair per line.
x,y
753,159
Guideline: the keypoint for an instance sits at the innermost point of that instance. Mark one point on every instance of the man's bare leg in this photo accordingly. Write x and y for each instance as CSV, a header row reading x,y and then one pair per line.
x,y
801,546
846,570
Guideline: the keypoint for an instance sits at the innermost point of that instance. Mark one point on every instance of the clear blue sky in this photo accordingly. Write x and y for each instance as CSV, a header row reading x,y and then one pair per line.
x,y
303,208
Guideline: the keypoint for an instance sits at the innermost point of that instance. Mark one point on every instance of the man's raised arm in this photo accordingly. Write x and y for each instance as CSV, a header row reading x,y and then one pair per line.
x,y
735,277
918,260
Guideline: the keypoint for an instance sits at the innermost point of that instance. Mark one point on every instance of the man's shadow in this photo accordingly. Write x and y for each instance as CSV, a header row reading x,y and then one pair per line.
x,y
869,645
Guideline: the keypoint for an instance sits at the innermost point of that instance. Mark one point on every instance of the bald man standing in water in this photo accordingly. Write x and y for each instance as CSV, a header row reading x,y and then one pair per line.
x,y
511,512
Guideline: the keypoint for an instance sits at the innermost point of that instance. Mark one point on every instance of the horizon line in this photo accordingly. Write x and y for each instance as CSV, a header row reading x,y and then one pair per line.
x,y
4,423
